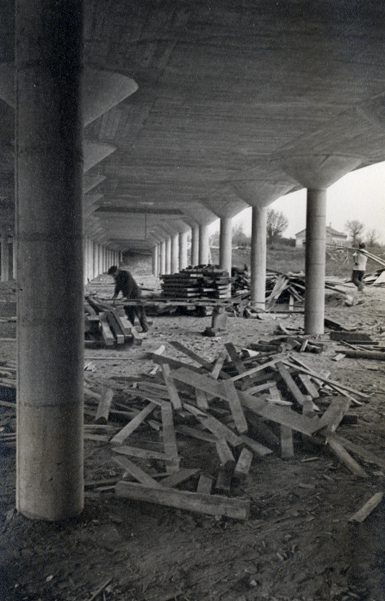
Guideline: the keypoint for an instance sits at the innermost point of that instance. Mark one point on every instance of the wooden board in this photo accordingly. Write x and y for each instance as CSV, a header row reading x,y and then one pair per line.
x,y
128,429
225,455
108,336
218,365
172,390
194,433
347,459
137,472
243,465
287,446
115,327
104,407
367,509
169,438
179,477
215,426
205,484
189,353
142,453
291,385
190,501
235,406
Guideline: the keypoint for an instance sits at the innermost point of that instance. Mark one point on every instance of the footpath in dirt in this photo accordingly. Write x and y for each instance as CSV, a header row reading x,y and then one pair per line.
x,y
297,544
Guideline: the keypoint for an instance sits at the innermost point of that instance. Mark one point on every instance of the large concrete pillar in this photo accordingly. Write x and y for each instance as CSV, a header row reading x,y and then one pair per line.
x,y
183,250
175,253
258,257
225,247
168,255
194,245
162,257
4,256
204,248
155,260
315,261
14,258
49,482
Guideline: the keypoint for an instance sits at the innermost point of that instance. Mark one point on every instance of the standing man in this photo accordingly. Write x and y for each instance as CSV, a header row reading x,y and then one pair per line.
x,y
359,266
125,283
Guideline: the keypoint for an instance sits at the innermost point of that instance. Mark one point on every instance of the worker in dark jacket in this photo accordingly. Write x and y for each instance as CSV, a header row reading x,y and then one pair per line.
x,y
125,283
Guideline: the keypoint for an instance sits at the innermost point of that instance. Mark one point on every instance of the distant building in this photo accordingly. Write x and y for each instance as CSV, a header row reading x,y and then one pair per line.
x,y
332,237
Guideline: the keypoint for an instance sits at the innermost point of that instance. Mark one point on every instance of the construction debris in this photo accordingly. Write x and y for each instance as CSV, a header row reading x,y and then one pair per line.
x,y
200,426
108,325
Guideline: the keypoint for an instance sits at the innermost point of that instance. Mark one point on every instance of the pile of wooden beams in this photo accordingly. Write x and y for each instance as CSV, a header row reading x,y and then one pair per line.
x,y
196,283
108,325
236,410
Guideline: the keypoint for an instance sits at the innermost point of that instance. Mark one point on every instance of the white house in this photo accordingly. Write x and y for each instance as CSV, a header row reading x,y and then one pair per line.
x,y
332,237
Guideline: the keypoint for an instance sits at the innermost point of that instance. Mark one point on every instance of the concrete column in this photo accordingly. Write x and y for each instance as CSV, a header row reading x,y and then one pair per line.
x,y
14,258
95,261
49,40
204,248
315,261
4,256
183,250
168,255
225,249
258,257
155,260
175,253
194,245
162,257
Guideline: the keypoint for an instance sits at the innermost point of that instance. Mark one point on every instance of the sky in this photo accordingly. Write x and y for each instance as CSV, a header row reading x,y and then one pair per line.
x,y
358,195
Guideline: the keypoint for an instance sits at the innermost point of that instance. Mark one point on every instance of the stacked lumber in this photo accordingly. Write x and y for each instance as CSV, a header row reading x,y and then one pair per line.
x,y
193,430
377,278
108,325
197,283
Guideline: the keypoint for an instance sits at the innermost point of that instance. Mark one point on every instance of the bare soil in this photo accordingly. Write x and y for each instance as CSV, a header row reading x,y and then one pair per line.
x,y
297,545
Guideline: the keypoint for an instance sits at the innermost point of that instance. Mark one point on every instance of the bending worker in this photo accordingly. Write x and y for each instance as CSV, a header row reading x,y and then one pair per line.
x,y
125,283
359,265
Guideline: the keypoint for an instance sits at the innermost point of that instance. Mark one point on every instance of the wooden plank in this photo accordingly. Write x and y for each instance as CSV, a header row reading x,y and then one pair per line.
x,y
334,414
137,472
272,412
347,459
173,363
368,456
215,426
237,362
243,465
125,325
259,449
142,453
223,481
201,398
287,446
108,336
179,477
367,509
291,385
205,484
115,327
235,406
260,387
129,428
190,501
169,438
189,353
258,368
194,433
309,386
225,455
104,407
262,430
218,365
137,336
172,389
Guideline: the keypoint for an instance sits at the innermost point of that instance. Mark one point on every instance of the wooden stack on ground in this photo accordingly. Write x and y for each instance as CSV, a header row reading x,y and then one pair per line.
x,y
108,325
197,283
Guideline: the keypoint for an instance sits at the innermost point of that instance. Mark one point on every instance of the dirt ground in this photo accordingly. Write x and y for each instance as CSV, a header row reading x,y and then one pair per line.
x,y
297,545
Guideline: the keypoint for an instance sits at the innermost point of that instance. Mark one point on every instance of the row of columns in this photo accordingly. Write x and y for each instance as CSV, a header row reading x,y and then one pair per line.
x,y
98,258
170,254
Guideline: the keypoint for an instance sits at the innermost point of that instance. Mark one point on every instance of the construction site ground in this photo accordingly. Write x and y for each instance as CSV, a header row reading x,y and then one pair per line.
x,y
298,543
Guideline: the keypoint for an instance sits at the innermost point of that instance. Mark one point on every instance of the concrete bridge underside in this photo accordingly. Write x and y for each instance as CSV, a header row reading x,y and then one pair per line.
x,y
134,122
